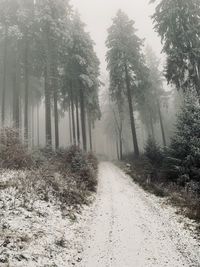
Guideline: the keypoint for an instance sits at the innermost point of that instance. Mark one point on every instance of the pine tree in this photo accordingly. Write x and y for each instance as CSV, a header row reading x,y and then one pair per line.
x,y
155,95
125,64
81,77
178,24
185,145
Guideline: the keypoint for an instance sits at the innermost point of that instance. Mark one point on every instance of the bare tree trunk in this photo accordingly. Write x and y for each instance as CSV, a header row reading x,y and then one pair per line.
x,y
77,122
70,124
38,126
47,92
82,106
26,100
16,97
120,147
132,119
4,76
54,79
90,132
73,119
117,148
32,126
152,127
161,124
55,99
47,109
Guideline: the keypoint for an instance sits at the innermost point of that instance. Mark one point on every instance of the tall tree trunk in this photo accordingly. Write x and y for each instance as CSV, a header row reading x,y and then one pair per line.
x,y
4,76
54,79
161,124
38,126
83,125
47,93
77,122
152,127
73,119
70,124
32,126
120,147
47,108
90,131
132,119
16,98
26,101
117,148
55,99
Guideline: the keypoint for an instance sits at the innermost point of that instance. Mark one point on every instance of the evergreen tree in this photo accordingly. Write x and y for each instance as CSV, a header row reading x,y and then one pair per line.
x,y
155,95
178,24
185,145
125,64
81,72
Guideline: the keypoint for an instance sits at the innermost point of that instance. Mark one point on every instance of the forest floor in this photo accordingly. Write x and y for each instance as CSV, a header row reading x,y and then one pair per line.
x,y
130,227
124,227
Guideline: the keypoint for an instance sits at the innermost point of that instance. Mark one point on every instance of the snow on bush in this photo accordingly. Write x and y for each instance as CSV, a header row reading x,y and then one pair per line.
x,y
39,202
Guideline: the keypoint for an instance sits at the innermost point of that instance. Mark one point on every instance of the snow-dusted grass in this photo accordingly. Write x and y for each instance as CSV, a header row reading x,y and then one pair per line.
x,y
35,227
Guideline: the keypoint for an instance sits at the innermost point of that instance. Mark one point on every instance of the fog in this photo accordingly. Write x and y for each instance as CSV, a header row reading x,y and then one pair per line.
x,y
55,84
98,15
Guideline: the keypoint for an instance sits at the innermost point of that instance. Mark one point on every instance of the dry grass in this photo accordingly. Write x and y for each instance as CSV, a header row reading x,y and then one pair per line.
x,y
184,198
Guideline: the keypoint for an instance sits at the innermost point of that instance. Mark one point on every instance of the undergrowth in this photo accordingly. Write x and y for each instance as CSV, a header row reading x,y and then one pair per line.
x,y
69,176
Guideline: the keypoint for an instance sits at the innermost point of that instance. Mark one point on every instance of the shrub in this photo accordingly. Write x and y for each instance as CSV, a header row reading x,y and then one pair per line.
x,y
92,160
13,154
153,153
83,167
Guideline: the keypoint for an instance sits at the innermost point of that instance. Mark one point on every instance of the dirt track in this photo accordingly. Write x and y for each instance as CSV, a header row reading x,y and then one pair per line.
x,y
129,229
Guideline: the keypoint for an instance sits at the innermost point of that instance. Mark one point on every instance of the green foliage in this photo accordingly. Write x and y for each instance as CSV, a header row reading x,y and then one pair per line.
x,y
81,68
124,49
178,24
185,145
153,153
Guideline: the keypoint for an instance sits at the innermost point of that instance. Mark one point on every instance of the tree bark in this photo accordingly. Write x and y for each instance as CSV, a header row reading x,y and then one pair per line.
x,y
82,107
38,126
73,119
77,122
117,148
4,76
90,132
161,124
152,127
56,119
132,119
120,147
16,98
26,100
47,93
47,107
70,124
54,79
32,126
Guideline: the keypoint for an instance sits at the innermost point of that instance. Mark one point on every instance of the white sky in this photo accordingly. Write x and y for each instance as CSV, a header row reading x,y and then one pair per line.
x,y
98,14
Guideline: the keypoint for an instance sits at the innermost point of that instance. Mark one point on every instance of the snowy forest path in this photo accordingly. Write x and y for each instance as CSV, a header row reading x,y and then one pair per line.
x,y
129,229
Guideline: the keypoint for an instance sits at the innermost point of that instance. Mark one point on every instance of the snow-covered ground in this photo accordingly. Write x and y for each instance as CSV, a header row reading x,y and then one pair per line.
x,y
131,228
36,234
124,227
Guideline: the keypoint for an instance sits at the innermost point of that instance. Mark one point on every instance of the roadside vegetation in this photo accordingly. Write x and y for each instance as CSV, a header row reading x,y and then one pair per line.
x,y
175,170
40,187
158,125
